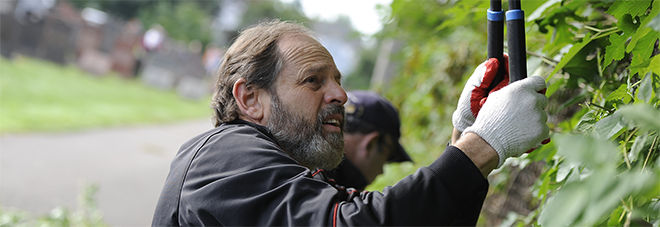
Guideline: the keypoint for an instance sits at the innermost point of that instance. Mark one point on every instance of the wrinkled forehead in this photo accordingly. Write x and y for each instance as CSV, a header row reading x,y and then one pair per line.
x,y
300,47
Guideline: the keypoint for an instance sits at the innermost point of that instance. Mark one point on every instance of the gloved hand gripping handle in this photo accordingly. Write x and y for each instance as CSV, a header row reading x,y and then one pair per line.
x,y
515,21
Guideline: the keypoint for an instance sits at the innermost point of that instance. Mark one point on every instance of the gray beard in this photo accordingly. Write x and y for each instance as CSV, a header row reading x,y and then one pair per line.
x,y
306,141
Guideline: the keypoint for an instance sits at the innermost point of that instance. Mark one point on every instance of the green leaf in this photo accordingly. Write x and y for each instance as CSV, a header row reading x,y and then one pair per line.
x,y
614,217
645,90
564,170
565,207
627,25
638,35
582,67
563,35
574,6
606,195
620,94
588,201
652,65
539,11
576,99
616,49
632,7
558,18
601,201
587,122
588,150
643,115
546,185
543,153
609,127
637,146
644,47
656,85
652,20
571,53
654,24
654,208
552,88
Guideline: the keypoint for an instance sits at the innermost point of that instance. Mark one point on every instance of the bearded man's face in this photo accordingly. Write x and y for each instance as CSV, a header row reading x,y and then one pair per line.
x,y
305,139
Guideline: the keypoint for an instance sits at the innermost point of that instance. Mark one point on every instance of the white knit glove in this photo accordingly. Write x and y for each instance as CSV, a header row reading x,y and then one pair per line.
x,y
512,120
476,92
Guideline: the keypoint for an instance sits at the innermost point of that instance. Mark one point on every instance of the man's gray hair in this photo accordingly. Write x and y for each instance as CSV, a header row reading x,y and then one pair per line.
x,y
255,57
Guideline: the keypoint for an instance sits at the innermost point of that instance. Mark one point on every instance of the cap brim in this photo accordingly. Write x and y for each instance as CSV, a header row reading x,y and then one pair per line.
x,y
401,155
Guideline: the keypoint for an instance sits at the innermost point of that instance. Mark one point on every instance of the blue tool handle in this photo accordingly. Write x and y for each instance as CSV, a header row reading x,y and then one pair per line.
x,y
496,39
515,22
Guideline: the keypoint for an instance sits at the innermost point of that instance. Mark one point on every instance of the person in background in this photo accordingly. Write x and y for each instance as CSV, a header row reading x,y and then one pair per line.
x,y
371,139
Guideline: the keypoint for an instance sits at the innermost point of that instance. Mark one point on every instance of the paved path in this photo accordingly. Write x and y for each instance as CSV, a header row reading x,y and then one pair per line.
x,y
41,171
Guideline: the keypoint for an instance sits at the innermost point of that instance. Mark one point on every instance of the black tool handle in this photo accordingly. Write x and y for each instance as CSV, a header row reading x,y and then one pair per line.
x,y
515,22
496,39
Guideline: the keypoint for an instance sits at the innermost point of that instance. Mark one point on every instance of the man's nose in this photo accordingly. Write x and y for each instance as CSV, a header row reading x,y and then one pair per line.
x,y
335,94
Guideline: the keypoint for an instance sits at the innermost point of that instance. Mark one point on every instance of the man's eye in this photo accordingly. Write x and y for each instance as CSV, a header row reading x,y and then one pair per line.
x,y
311,80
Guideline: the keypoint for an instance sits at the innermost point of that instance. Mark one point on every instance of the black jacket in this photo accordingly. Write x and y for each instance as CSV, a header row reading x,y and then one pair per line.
x,y
347,174
236,175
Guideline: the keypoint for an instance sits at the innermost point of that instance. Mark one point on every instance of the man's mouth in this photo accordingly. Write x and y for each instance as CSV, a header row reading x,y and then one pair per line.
x,y
333,118
333,122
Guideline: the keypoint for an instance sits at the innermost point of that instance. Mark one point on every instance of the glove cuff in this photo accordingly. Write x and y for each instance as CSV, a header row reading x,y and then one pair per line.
x,y
492,140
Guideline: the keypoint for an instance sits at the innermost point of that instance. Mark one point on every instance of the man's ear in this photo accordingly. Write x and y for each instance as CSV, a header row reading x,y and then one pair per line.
x,y
365,147
247,98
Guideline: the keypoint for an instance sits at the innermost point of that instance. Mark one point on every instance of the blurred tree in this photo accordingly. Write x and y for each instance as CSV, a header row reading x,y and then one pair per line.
x,y
184,21
360,78
260,10
122,9
131,9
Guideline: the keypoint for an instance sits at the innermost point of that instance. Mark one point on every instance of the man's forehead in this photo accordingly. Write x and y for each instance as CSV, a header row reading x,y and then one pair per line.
x,y
291,44
307,53
298,36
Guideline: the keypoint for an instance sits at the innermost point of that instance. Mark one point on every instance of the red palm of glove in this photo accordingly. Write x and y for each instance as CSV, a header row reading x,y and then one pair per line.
x,y
480,94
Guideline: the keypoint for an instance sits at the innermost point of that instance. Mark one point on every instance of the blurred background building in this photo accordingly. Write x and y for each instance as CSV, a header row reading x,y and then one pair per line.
x,y
163,43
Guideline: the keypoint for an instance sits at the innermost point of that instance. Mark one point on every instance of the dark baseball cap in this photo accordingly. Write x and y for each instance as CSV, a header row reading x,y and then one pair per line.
x,y
371,108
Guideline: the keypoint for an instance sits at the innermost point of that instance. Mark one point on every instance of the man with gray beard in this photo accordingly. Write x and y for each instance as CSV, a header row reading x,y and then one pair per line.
x,y
306,141
279,120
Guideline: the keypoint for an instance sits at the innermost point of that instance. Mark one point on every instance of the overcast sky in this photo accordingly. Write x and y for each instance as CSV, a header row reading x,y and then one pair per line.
x,y
363,13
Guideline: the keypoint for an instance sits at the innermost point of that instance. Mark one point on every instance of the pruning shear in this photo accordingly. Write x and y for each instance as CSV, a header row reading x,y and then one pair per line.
x,y
515,40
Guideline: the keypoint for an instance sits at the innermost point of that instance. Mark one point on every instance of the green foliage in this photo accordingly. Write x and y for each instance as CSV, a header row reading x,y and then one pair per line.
x,y
601,61
258,11
86,214
184,21
41,96
435,64
122,9
131,9
360,78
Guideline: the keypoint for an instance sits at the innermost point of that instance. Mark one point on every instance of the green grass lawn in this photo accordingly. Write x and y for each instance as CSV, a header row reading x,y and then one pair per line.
x,y
37,95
